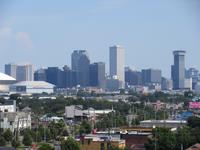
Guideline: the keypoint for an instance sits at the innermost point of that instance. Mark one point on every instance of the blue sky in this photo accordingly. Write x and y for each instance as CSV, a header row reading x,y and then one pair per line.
x,y
45,32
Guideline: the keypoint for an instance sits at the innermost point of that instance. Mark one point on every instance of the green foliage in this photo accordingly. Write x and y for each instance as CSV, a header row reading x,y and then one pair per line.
x,y
2,141
15,143
85,128
45,146
70,144
166,139
56,129
8,135
193,122
113,119
27,139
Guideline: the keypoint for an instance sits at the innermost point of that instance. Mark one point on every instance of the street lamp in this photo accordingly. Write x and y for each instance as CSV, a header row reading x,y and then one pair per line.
x,y
154,127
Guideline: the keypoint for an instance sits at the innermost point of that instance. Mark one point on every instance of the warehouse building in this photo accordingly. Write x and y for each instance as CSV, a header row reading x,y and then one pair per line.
x,y
32,87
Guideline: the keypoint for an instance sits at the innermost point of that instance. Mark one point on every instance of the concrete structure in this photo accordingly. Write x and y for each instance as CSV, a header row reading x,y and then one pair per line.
x,y
9,106
5,82
77,112
178,70
97,75
15,120
74,112
20,72
80,63
163,123
117,63
32,87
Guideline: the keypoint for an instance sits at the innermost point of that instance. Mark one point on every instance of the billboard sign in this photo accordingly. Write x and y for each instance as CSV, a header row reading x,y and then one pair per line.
x,y
194,105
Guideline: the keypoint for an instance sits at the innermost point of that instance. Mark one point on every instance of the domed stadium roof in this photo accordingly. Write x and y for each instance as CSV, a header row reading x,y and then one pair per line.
x,y
5,77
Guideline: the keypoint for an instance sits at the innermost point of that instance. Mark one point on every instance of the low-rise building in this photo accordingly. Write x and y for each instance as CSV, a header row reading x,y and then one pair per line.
x,y
163,123
76,112
97,142
32,87
9,106
15,120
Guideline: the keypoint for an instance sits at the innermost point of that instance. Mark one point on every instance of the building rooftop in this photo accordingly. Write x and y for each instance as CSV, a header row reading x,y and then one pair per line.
x,y
179,52
35,84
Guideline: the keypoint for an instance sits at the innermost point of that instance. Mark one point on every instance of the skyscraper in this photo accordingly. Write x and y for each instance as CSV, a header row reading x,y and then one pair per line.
x,y
80,63
117,63
150,76
97,74
11,69
133,77
178,70
20,72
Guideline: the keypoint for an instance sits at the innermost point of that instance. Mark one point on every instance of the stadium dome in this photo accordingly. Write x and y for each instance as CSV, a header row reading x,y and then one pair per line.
x,y
5,82
5,77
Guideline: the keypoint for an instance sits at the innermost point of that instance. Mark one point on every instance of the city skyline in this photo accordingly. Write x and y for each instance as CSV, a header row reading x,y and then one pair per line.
x,y
148,31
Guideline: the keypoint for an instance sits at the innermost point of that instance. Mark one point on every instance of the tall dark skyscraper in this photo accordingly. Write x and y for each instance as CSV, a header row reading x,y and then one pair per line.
x,y
151,76
80,63
55,76
97,75
40,75
133,77
178,70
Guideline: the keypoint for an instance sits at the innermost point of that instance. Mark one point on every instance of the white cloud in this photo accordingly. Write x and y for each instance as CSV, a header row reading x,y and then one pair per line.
x,y
24,40
16,40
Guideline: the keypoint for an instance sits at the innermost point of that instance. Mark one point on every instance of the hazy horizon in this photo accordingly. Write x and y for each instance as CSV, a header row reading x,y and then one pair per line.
x,y
45,33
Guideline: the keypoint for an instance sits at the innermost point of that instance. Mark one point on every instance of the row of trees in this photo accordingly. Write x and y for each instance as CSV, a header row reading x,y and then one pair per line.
x,y
164,138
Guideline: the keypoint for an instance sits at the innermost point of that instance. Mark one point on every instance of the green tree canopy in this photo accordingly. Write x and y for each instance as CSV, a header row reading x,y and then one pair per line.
x,y
27,140
70,144
8,135
45,146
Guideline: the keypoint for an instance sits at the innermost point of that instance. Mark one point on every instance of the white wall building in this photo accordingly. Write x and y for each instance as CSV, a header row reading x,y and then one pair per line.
x,y
15,120
9,106
188,83
117,63
32,87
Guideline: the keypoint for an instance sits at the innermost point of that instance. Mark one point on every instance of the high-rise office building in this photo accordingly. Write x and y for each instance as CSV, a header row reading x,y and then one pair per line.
x,y
150,76
194,74
117,63
40,75
97,74
55,76
20,72
80,63
133,77
178,70
11,69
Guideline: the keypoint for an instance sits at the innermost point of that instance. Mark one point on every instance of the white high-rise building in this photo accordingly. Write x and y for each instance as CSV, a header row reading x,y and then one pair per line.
x,y
117,63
